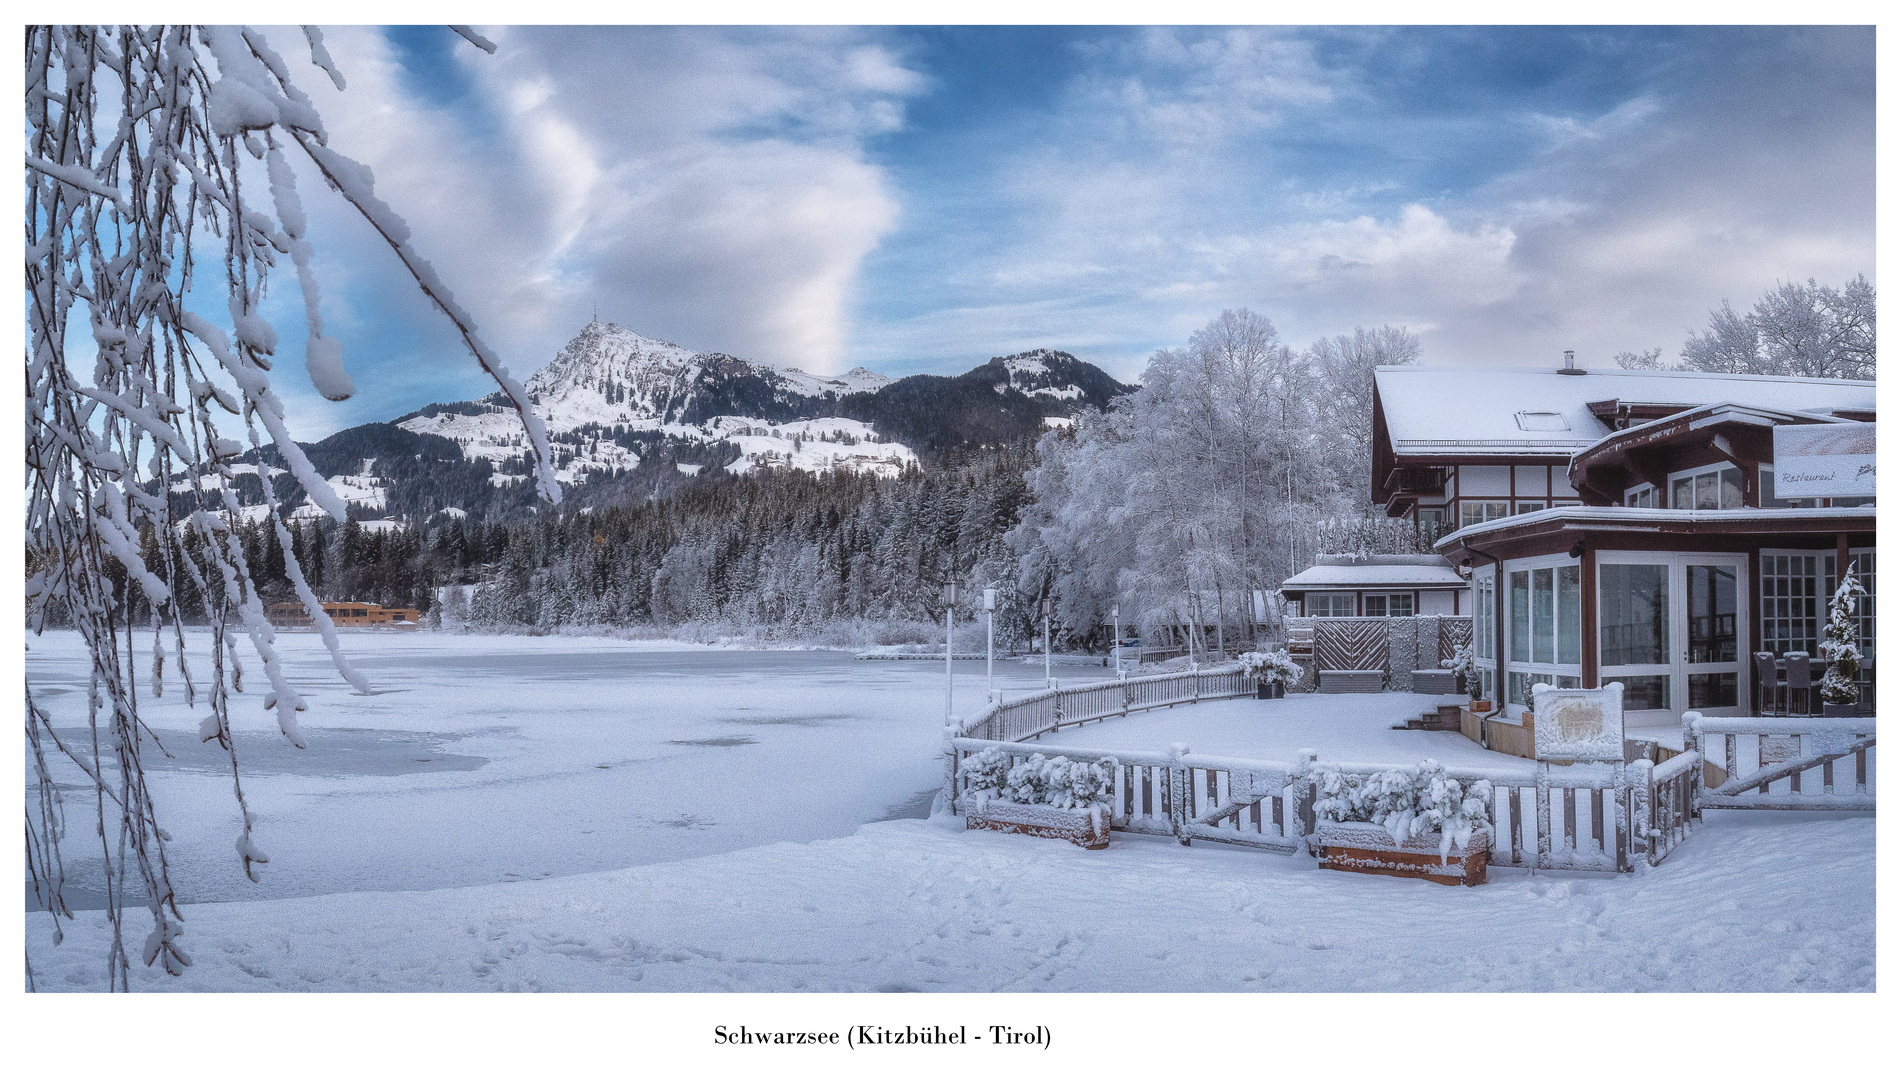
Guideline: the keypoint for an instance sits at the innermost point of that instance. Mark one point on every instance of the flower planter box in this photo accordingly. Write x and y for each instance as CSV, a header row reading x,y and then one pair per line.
x,y
1851,708
1365,848
1084,828
1353,682
1265,691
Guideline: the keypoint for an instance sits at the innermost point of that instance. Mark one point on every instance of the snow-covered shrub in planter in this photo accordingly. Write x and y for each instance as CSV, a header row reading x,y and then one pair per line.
x,y
1465,665
1270,667
1839,648
1395,822
1054,797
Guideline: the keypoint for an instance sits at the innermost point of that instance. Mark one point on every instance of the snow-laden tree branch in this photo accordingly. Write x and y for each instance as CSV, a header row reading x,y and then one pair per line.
x,y
136,176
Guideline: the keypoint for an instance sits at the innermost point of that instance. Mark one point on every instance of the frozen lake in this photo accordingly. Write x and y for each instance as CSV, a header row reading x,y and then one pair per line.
x,y
482,759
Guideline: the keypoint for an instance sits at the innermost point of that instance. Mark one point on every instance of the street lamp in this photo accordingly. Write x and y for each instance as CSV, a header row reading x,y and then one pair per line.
x,y
1048,680
1115,613
990,644
950,606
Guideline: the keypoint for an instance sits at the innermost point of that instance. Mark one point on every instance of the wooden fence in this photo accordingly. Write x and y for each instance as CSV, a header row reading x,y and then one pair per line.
x,y
1587,817
1785,762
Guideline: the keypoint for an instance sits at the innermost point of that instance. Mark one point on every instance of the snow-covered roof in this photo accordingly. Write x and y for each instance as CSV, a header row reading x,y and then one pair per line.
x,y
1649,519
1516,412
1416,572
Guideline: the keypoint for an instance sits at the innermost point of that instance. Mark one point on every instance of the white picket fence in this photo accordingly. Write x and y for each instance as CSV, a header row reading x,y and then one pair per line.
x,y
1589,817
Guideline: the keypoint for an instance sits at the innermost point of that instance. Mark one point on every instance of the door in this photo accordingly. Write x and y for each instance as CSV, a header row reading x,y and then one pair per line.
x,y
1670,629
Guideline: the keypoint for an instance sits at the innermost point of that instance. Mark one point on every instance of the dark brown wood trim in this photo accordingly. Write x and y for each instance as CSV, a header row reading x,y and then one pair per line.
x,y
1587,619
1841,560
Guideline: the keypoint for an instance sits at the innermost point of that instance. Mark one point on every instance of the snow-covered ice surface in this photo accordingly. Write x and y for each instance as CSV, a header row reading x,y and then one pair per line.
x,y
481,758
586,814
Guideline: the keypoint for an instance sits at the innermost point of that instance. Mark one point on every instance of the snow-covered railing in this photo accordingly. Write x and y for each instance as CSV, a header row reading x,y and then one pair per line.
x,y
1051,710
1773,762
1586,817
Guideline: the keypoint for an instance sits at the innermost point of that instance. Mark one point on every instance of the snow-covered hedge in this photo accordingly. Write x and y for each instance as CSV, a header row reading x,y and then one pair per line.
x,y
1057,781
1270,667
1408,802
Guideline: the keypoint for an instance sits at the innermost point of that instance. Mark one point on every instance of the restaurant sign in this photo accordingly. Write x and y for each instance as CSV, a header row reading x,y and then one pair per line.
x,y
1824,460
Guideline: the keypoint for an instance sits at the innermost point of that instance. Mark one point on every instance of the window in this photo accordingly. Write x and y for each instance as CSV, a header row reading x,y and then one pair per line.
x,y
1545,614
1796,587
1712,489
1472,513
1531,507
1484,629
1394,605
1542,421
1645,496
1432,516
1330,605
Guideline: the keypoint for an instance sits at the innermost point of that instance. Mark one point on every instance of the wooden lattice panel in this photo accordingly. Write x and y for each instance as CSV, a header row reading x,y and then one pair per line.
x,y
1454,634
1350,644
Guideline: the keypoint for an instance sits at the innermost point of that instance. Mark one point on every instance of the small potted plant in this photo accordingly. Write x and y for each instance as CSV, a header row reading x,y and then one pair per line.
x,y
1840,694
1410,822
1053,797
1272,672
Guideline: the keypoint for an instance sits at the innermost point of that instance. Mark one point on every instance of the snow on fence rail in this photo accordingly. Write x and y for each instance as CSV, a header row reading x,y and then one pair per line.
x,y
1588,817
1051,710
1766,758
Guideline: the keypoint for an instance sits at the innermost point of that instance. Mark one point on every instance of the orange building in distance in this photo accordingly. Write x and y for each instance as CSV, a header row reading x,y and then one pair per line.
x,y
347,613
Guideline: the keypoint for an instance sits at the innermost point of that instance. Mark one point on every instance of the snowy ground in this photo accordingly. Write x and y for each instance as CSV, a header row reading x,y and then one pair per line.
x,y
586,814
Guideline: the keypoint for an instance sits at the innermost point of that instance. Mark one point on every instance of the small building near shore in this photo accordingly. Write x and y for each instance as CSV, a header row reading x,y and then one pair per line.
x,y
344,613
1378,586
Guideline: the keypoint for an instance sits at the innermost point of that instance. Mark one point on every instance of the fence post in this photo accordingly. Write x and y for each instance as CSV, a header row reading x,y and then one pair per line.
x,y
1693,741
1543,789
950,772
1304,798
1643,816
1178,794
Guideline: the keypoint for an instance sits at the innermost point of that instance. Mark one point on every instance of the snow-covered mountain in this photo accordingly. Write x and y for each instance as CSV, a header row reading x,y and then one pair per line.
x,y
631,417
610,386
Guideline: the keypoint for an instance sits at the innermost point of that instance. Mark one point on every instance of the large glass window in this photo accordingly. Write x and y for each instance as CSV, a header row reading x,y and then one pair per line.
x,y
1570,616
1634,615
1521,616
1712,626
1714,489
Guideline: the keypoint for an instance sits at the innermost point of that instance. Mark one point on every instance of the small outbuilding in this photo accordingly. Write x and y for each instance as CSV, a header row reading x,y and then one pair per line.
x,y
1376,586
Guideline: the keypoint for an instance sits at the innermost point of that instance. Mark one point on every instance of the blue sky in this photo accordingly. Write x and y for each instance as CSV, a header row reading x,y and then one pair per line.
x,y
920,199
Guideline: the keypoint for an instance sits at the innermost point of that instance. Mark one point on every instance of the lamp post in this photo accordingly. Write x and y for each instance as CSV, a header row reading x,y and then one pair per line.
x,y
950,607
1048,680
990,644
1115,613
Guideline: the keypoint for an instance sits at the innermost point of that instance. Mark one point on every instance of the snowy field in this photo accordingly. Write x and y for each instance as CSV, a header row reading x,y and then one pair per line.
x,y
587,814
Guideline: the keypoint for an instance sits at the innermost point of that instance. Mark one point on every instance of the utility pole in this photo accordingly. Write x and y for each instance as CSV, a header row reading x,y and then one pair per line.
x,y
950,607
990,644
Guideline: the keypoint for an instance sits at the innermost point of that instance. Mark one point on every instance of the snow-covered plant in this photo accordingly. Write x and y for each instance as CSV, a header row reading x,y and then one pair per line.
x,y
1408,802
1037,780
154,155
1838,645
1465,664
1276,666
986,773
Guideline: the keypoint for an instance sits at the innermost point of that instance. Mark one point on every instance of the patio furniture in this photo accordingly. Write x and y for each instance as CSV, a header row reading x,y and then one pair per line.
x,y
1797,664
1768,685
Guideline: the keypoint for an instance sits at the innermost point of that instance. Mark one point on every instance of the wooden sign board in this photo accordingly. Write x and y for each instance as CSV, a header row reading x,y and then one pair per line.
x,y
1824,460
1578,725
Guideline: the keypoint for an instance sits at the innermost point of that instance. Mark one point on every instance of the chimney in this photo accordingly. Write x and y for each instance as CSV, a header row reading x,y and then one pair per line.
x,y
1570,364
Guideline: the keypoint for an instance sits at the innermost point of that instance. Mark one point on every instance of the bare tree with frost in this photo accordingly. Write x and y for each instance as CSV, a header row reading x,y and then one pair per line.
x,y
155,156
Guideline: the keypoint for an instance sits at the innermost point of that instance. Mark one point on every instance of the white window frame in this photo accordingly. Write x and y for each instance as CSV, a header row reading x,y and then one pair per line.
x,y
1484,629
1352,599
1632,495
1670,483
1532,672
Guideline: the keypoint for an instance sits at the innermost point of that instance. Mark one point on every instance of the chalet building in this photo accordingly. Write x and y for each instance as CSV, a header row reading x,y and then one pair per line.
x,y
1627,525
345,613
1393,586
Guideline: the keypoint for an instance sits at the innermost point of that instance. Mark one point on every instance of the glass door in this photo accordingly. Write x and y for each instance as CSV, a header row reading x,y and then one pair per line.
x,y
1712,668
1634,620
1669,629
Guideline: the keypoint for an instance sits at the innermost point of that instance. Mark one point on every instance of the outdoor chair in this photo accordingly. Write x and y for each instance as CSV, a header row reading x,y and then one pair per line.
x,y
1798,679
1768,685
